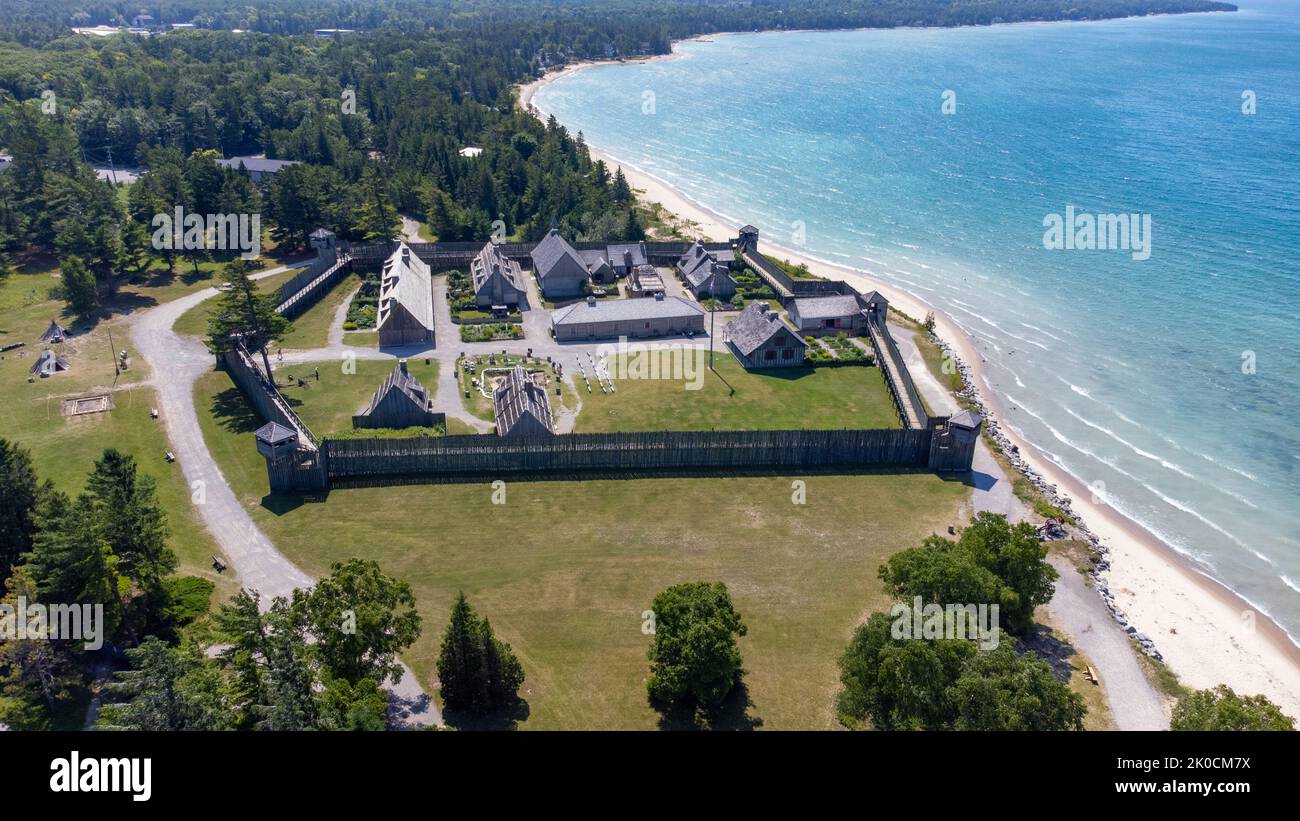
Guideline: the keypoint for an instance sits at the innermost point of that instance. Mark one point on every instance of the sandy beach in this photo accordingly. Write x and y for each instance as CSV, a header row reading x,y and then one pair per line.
x,y
1207,634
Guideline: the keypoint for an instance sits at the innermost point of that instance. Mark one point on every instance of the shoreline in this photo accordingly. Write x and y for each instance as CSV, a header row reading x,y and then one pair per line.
x,y
1199,625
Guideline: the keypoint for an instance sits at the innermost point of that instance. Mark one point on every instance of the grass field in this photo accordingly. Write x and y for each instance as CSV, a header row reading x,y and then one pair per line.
x,y
312,329
64,449
194,322
327,406
565,568
735,399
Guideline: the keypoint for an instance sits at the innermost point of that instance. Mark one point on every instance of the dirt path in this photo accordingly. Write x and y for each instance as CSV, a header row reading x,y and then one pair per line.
x,y
1075,607
410,230
178,361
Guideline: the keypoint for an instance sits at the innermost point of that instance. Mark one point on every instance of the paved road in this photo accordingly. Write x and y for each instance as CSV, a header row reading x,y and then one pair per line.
x,y
1075,607
178,361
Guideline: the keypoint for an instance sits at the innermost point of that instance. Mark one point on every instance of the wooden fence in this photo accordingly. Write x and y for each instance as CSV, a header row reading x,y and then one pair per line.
x,y
625,452
266,400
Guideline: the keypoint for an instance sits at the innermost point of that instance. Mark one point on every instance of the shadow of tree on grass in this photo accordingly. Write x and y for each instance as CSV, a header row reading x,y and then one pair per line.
x,y
507,718
735,713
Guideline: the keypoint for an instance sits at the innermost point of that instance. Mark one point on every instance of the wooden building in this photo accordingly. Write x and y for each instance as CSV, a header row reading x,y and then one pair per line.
x,y
828,315
561,271
405,314
610,319
521,406
498,280
760,338
712,281
625,257
400,402
258,169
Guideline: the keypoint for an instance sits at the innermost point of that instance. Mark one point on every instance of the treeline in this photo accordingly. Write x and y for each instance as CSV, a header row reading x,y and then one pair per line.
x,y
381,116
91,597
574,25
378,121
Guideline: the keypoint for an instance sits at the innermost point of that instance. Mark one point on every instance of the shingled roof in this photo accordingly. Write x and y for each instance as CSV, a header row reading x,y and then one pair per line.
x,y
550,251
627,254
491,262
405,280
756,325
260,165
695,257
622,309
826,307
521,404
702,273
406,385
273,433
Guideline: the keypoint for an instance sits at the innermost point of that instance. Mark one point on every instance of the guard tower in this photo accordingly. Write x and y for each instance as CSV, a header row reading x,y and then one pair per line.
x,y
748,240
327,253
952,441
291,465
875,305
279,446
323,240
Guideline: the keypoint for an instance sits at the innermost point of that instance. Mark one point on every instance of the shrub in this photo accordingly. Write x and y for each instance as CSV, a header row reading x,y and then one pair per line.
x,y
187,599
1222,709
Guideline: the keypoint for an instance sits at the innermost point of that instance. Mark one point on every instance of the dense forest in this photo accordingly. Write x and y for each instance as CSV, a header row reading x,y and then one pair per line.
x,y
379,116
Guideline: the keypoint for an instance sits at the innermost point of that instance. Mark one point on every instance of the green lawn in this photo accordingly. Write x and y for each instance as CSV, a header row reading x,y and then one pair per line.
x,y
565,568
361,339
735,399
312,329
64,449
194,322
327,406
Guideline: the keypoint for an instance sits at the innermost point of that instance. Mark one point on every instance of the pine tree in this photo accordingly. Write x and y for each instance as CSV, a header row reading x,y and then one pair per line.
x,y
131,519
70,561
460,662
632,228
18,497
35,674
504,672
622,191
479,673
245,315
79,285
377,219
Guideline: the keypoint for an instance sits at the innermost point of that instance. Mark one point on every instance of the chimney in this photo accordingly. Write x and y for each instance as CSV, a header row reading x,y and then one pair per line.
x,y
406,254
591,300
401,365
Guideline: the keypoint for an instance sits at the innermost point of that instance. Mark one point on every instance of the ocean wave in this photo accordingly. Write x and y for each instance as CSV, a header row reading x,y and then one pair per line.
x,y
1165,463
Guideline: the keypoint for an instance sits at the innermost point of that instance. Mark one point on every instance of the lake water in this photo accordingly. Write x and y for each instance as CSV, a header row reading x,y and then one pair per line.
x,y
1129,372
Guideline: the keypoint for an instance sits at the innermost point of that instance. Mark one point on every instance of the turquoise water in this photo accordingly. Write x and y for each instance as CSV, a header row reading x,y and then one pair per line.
x,y
1126,372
